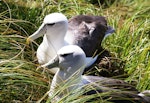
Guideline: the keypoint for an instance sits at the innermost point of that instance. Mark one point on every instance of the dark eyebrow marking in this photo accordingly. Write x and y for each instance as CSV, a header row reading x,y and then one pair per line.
x,y
50,24
64,55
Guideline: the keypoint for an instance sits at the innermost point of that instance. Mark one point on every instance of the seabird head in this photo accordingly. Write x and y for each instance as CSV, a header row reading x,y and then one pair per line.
x,y
54,18
70,58
53,23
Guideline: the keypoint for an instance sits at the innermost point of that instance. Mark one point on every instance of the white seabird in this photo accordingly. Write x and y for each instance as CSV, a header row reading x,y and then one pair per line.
x,y
84,31
71,61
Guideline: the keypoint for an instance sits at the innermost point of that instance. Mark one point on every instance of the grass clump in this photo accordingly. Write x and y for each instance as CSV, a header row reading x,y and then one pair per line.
x,y
19,79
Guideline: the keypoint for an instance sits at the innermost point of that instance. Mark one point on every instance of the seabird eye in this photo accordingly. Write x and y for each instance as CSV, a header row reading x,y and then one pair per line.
x,y
64,55
51,24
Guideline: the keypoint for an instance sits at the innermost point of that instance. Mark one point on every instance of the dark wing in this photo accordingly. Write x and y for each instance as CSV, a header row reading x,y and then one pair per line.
x,y
117,91
110,83
89,31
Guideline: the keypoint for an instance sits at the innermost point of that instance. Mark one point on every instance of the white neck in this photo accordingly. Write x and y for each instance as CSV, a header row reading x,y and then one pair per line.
x,y
69,37
56,37
66,77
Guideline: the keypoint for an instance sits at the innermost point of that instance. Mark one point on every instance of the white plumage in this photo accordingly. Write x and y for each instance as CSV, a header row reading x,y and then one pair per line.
x,y
84,31
71,61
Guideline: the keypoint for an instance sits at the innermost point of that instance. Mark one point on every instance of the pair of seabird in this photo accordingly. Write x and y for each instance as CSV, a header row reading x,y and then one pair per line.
x,y
85,31
71,60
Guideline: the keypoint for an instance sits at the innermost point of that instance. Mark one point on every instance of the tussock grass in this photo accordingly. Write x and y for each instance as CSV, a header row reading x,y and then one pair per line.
x,y
19,79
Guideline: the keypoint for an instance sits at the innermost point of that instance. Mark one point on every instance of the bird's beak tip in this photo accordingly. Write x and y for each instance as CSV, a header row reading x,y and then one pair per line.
x,y
52,63
28,41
